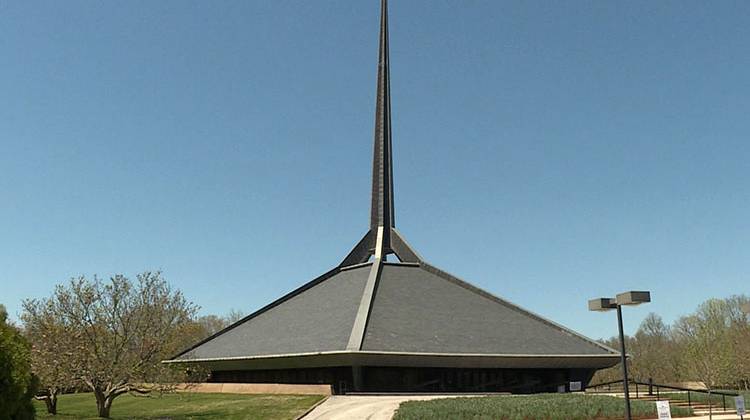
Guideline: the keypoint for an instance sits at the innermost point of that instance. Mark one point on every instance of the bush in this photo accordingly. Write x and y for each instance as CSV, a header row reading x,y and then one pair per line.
x,y
17,385
529,407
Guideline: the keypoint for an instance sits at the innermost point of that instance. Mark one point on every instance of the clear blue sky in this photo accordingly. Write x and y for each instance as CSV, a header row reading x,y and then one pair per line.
x,y
548,152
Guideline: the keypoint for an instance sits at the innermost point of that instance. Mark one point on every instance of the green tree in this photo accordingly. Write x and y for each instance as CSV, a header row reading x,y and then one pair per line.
x,y
17,385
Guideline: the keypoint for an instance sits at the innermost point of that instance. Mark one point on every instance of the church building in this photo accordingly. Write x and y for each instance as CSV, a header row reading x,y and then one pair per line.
x,y
386,320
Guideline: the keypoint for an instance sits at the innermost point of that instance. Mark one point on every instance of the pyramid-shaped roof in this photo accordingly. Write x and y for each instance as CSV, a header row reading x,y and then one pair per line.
x,y
415,308
371,310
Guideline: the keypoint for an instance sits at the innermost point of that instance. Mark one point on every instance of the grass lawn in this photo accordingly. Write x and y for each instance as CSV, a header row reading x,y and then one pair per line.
x,y
185,406
529,407
699,397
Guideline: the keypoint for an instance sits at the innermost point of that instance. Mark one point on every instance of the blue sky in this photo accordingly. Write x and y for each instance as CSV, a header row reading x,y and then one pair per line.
x,y
549,152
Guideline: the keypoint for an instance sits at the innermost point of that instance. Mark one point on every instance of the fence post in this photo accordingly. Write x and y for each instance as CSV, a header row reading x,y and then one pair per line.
x,y
636,390
724,401
689,403
650,386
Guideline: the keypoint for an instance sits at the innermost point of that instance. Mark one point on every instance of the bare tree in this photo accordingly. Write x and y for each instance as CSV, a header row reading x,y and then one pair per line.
x,y
738,311
654,352
613,373
233,316
705,343
53,352
121,330
710,345
210,325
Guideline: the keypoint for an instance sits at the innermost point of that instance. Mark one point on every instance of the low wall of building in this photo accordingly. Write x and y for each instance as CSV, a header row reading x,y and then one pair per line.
x,y
237,388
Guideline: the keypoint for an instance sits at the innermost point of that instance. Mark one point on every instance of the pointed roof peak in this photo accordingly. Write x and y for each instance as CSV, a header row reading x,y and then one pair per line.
x,y
382,238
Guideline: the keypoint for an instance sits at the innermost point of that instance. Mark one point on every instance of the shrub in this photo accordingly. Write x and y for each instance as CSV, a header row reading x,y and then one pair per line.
x,y
17,385
528,407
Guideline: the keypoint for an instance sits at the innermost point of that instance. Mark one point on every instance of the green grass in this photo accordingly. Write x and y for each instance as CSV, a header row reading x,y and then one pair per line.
x,y
185,406
699,397
529,407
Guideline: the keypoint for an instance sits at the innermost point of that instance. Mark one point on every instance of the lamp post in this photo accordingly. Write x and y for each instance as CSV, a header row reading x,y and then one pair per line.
x,y
606,304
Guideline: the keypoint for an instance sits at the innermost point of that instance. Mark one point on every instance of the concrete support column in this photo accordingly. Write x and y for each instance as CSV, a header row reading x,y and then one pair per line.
x,y
357,378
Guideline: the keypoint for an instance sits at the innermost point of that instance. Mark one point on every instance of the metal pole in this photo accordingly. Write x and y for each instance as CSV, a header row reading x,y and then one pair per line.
x,y
623,360
650,386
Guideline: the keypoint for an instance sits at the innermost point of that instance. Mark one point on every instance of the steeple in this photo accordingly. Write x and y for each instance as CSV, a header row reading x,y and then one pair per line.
x,y
382,164
382,238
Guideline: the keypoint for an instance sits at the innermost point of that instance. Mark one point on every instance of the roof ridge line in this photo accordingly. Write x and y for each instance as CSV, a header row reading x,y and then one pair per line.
x,y
361,319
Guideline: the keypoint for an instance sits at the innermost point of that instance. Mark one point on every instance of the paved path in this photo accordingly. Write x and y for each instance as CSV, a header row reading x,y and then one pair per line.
x,y
369,407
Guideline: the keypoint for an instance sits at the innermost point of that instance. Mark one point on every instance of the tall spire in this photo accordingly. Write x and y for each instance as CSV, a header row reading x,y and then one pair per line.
x,y
381,214
382,238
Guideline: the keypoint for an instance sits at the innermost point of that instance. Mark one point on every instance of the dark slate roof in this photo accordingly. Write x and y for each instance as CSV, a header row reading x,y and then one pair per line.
x,y
318,319
415,309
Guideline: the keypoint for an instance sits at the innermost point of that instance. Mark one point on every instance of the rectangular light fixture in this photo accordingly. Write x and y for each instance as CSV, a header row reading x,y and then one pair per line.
x,y
633,298
602,304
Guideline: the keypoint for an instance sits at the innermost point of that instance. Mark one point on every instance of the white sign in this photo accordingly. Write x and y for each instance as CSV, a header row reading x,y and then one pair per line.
x,y
575,386
662,407
739,403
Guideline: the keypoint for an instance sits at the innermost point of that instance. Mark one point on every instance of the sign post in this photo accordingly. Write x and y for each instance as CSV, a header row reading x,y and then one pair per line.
x,y
739,404
662,408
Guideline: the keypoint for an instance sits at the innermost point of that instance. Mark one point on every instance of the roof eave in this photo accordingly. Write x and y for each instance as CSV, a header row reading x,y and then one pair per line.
x,y
408,359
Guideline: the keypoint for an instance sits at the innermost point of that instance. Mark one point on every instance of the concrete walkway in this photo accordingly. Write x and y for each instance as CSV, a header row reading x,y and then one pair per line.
x,y
370,407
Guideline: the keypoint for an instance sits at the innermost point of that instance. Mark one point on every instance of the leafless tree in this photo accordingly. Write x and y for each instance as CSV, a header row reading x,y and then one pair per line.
x,y
711,345
655,355
120,331
705,343
54,357
210,325
233,316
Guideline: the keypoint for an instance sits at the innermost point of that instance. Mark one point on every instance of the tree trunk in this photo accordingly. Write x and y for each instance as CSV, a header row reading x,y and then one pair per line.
x,y
108,404
51,402
103,403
